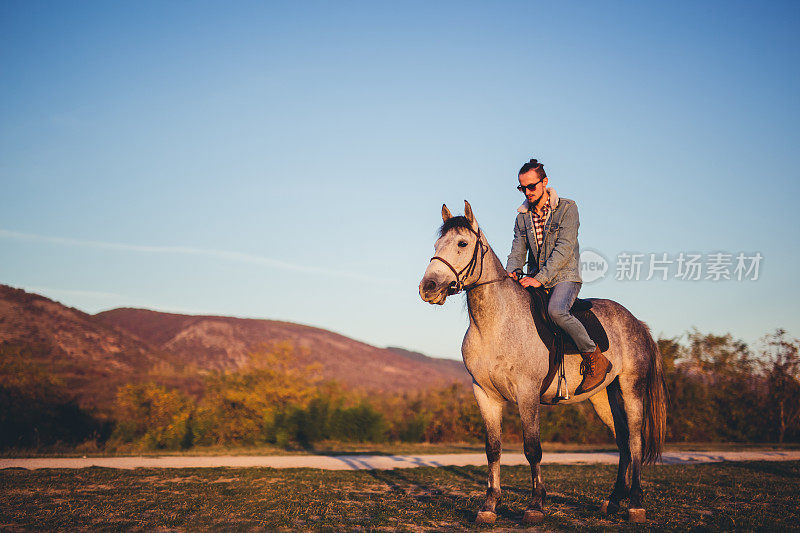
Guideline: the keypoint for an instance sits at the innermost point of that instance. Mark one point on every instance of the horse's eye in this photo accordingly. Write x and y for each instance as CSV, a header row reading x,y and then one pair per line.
x,y
462,244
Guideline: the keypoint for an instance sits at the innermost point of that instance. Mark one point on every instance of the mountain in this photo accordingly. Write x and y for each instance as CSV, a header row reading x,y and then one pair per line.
x,y
444,364
219,342
94,354
91,357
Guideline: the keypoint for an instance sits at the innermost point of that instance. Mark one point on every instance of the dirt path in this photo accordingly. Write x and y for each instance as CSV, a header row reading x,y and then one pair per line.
x,y
379,462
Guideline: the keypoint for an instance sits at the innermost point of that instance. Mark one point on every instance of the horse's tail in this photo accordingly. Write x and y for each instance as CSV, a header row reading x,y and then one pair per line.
x,y
654,424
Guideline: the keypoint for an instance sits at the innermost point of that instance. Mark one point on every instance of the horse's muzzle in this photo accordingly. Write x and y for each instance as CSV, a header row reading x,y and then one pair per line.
x,y
433,292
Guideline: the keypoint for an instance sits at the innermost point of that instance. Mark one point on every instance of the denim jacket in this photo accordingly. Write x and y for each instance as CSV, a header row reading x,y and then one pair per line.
x,y
559,258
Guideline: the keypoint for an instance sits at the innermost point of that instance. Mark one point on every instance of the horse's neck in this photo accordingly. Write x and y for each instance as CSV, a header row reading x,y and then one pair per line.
x,y
492,302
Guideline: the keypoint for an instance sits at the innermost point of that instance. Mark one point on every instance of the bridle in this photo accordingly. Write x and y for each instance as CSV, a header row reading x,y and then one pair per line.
x,y
479,251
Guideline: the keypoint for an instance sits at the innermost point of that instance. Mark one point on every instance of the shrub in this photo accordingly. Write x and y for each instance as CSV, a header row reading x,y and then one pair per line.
x,y
154,417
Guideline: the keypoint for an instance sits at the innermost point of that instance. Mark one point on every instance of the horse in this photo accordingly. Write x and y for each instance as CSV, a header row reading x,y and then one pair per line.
x,y
508,360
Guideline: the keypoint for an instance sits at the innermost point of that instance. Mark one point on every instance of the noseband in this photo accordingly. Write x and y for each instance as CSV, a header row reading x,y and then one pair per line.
x,y
479,251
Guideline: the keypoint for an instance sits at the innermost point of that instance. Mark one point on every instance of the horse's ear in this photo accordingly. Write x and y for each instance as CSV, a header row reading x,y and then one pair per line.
x,y
470,215
446,214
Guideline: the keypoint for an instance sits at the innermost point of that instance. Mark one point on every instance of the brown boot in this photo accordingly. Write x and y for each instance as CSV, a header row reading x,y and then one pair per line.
x,y
595,367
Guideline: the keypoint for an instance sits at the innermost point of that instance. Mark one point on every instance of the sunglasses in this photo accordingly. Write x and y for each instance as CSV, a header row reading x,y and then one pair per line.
x,y
531,187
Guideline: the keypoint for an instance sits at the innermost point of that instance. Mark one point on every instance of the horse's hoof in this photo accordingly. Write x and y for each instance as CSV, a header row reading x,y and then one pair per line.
x,y
533,516
607,507
636,516
486,517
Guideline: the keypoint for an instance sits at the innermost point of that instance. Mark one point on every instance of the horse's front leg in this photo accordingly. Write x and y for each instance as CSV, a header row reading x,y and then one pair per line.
x,y
492,413
528,403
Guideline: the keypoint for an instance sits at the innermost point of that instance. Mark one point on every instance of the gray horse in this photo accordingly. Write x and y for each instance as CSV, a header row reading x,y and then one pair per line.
x,y
508,361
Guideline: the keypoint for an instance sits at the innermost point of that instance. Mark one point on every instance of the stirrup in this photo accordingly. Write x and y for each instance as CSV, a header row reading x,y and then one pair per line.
x,y
562,378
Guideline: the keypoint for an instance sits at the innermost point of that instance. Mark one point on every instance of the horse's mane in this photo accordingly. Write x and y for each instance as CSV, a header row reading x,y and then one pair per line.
x,y
453,223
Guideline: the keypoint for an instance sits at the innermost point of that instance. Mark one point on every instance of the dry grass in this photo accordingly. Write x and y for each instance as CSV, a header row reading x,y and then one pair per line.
x,y
715,497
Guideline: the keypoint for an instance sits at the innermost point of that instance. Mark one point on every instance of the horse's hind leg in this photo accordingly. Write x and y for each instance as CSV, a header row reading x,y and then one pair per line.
x,y
632,395
492,413
529,415
610,408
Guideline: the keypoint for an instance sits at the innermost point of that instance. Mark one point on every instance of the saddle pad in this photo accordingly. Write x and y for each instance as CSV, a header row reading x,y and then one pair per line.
x,y
580,305
581,309
593,327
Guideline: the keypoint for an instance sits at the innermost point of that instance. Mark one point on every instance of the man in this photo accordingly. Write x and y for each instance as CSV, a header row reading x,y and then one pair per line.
x,y
546,230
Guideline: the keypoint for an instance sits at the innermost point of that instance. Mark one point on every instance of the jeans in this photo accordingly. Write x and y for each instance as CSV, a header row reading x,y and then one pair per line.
x,y
561,299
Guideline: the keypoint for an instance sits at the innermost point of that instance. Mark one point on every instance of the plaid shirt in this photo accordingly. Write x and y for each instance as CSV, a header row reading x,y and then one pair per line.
x,y
538,222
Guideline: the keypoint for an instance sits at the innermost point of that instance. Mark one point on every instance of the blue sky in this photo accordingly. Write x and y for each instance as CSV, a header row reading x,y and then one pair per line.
x,y
289,160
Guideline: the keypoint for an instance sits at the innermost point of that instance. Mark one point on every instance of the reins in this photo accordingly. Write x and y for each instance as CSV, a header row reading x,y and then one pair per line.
x,y
458,285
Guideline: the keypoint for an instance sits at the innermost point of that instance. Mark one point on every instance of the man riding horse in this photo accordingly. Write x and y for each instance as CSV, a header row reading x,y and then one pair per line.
x,y
546,230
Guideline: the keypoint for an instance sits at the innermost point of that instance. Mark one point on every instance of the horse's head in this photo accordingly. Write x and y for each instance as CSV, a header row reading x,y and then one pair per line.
x,y
458,259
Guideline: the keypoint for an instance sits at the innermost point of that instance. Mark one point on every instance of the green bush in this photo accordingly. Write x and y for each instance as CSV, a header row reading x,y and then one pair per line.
x,y
323,419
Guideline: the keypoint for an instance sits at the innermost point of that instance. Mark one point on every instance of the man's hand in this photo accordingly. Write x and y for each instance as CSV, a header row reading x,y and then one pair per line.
x,y
530,282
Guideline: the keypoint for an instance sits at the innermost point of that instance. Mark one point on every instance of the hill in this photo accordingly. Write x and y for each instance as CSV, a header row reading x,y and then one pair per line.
x,y
219,342
94,354
89,356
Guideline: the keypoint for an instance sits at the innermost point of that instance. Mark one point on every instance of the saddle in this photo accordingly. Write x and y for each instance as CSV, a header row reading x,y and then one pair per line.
x,y
557,341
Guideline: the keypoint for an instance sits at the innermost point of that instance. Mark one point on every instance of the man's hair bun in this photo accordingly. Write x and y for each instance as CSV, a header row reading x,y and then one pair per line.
x,y
533,164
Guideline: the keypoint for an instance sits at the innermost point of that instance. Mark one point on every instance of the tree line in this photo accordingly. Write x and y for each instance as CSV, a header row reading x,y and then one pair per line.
x,y
720,389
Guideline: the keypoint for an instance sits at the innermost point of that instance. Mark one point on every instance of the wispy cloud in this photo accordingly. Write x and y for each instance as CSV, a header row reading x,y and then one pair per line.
x,y
186,250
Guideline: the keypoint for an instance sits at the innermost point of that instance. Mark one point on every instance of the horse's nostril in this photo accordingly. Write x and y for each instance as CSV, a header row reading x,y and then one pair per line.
x,y
429,285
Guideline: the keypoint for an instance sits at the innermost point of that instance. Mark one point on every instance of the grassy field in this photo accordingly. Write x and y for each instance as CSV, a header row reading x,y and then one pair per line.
x,y
724,496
